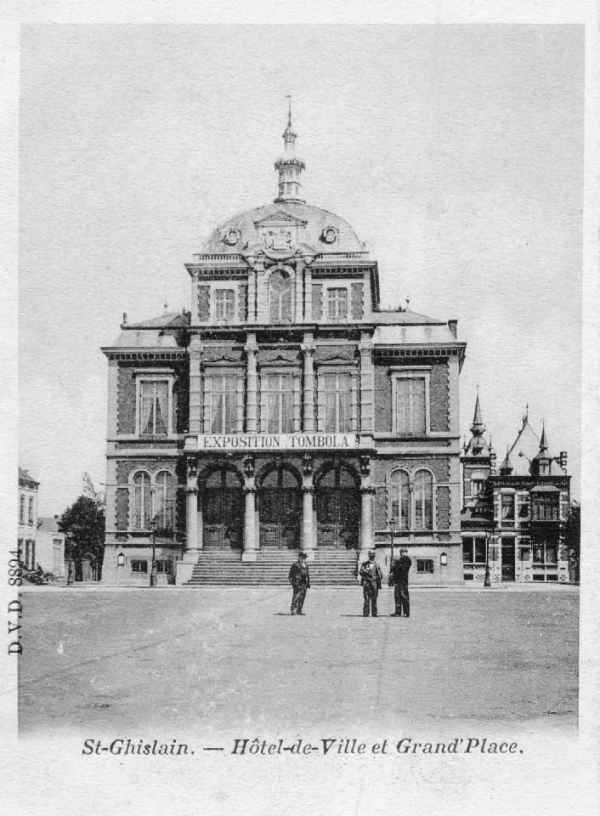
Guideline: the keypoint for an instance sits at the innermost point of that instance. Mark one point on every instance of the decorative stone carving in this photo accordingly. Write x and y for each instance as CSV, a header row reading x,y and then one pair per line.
x,y
307,464
217,354
329,235
231,236
248,466
325,354
278,356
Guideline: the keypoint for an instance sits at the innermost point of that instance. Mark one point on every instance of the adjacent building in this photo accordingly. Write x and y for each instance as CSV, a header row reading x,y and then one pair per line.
x,y
287,410
28,519
50,554
515,518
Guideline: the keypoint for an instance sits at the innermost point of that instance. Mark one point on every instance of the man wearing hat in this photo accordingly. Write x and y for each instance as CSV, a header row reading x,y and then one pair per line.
x,y
299,578
370,578
399,579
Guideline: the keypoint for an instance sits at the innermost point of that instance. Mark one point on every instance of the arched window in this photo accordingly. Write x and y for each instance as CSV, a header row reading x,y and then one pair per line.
x,y
164,501
423,497
400,500
280,291
142,501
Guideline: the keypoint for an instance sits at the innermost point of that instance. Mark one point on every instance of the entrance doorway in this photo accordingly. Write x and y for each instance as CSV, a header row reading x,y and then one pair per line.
x,y
338,508
222,510
280,509
508,559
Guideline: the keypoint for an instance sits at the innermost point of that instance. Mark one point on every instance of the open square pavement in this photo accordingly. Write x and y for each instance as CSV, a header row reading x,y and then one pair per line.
x,y
216,660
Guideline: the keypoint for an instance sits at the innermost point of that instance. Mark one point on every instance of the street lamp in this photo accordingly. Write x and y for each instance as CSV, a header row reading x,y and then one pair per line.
x,y
486,580
153,562
121,559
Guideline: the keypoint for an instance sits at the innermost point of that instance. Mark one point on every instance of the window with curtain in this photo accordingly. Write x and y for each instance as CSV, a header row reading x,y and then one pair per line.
x,y
277,403
508,507
337,303
410,417
336,401
164,501
142,501
280,297
423,499
154,407
221,403
224,304
400,500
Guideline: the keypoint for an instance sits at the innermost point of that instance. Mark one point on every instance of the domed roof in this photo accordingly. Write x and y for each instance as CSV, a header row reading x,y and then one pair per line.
x,y
284,225
289,224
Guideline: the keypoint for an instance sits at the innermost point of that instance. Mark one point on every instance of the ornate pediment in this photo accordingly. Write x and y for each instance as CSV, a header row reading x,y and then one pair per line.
x,y
279,234
222,354
335,354
278,356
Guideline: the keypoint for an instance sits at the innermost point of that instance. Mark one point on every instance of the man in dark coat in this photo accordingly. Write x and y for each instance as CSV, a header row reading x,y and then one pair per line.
x,y
370,578
299,578
399,578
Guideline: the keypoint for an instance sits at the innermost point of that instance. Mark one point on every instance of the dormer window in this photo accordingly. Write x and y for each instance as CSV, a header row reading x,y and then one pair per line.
x,y
224,305
337,303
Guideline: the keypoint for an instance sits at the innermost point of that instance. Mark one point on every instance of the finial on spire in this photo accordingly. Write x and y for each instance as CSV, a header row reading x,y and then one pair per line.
x,y
289,166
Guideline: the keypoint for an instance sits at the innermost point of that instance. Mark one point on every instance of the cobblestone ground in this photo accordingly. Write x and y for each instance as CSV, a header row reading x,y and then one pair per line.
x,y
221,660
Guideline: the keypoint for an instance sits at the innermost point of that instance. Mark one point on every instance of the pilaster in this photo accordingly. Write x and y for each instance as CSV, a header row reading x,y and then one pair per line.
x,y
251,382
195,406
366,383
308,350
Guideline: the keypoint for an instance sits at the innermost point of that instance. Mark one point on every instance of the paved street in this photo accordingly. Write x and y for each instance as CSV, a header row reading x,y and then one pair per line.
x,y
221,659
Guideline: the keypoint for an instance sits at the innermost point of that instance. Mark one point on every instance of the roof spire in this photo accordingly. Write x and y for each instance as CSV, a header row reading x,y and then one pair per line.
x,y
543,440
289,166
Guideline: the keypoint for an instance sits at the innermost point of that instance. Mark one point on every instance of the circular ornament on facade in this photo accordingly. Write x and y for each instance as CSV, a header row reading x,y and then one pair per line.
x,y
329,235
231,237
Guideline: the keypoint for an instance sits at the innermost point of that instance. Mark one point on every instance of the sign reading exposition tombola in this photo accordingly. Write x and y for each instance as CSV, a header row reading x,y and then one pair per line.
x,y
264,441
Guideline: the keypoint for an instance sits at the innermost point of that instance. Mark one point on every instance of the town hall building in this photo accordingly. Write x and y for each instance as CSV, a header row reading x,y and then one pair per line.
x,y
286,411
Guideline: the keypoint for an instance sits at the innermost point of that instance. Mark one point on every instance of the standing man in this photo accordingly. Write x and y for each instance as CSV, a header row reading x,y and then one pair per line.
x,y
399,578
370,578
299,578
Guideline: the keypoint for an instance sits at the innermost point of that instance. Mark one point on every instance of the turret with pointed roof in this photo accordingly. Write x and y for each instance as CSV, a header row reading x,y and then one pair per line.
x,y
289,166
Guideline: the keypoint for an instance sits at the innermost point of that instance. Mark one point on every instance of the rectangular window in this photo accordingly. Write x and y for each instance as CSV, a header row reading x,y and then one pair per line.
x,y
139,565
410,414
468,550
477,487
277,404
425,565
224,304
22,509
153,408
164,566
524,510
546,507
20,550
30,514
337,304
336,402
508,507
221,409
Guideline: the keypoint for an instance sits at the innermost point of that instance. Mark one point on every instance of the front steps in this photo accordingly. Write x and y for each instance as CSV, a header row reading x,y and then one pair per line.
x,y
330,567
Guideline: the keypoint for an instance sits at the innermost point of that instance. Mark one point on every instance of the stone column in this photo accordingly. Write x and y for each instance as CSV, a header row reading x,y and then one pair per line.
x,y
193,531
299,304
367,541
307,294
367,376
195,403
262,295
251,383
251,295
308,535
308,539
308,414
249,551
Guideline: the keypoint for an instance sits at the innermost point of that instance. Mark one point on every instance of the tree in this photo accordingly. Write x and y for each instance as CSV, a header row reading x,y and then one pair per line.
x,y
573,540
83,525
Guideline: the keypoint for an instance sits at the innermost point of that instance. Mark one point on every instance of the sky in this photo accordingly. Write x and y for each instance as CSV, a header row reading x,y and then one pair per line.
x,y
456,153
